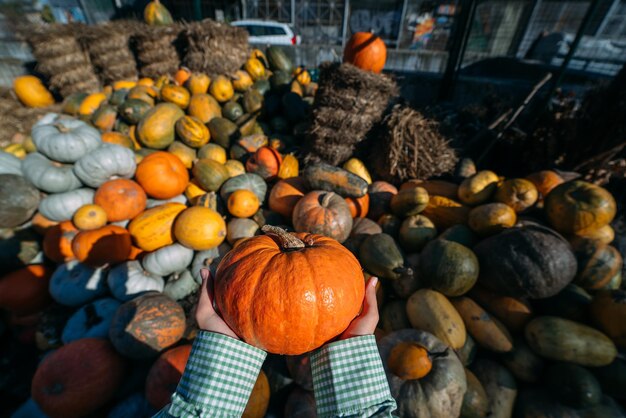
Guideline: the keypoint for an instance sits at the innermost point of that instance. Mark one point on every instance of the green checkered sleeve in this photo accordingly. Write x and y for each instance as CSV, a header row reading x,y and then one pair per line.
x,y
349,380
218,378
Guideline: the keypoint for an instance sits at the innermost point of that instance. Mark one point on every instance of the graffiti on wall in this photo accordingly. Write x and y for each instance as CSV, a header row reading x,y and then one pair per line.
x,y
384,23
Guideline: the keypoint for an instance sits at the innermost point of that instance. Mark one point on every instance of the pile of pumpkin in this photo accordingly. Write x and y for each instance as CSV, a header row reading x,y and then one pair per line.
x,y
489,285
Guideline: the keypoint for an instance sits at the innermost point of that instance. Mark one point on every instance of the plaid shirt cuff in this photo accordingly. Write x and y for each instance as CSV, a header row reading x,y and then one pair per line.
x,y
218,378
349,379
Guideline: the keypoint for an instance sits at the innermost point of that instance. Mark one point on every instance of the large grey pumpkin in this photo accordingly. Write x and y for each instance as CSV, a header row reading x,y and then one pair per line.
x,y
129,280
10,164
439,394
61,206
18,200
526,261
108,162
248,181
167,260
64,139
49,176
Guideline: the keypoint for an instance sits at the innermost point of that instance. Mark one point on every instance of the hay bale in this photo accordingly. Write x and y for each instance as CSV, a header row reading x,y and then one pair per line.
x,y
158,49
410,146
215,48
348,104
110,51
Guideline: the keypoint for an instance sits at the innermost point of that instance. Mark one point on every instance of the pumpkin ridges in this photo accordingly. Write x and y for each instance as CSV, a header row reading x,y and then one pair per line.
x,y
366,51
162,175
121,199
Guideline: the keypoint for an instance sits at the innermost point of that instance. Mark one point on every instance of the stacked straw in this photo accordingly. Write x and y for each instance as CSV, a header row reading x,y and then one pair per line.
x,y
109,49
410,146
215,48
157,49
61,58
348,103
16,118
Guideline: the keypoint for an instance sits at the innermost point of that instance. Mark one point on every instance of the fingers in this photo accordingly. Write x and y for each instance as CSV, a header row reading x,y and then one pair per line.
x,y
370,304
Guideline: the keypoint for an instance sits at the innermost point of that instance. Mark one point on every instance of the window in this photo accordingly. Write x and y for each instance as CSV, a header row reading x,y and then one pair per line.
x,y
274,31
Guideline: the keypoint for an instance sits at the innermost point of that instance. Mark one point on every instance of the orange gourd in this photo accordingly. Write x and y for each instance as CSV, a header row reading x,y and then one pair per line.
x,y
280,292
121,199
152,229
89,217
409,360
192,131
285,194
31,91
162,175
57,243
222,89
243,203
200,228
198,83
107,245
25,291
165,374
265,162
545,181
176,94
366,51
182,75
118,138
204,107
289,167
358,205
91,103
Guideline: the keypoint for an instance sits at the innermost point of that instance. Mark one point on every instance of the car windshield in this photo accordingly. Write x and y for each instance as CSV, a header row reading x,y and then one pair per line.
x,y
261,30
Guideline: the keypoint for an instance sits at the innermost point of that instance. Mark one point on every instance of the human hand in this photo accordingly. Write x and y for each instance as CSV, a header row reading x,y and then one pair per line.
x,y
366,322
206,317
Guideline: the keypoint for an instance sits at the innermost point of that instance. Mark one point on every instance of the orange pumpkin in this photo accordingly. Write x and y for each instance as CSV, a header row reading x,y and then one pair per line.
x,y
491,218
200,228
265,162
41,224
279,291
31,91
222,89
519,194
409,360
192,131
176,94
162,175
78,379
165,374
358,205
285,194
242,81
366,51
121,199
89,217
152,229
57,243
323,213
289,167
198,83
243,203
25,291
182,75
259,398
107,245
545,181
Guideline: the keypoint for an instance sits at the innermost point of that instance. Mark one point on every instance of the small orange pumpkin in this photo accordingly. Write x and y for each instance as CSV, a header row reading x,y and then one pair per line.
x,y
121,199
285,194
545,181
409,360
243,203
265,162
107,245
182,75
222,89
89,217
366,51
198,83
162,175
242,81
176,94
57,243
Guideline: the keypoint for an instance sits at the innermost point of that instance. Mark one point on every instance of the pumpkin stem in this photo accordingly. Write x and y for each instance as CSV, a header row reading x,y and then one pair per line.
x,y
286,240
61,128
326,199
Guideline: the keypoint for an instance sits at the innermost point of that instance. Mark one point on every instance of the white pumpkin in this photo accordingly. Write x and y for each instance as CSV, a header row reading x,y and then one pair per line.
x,y
208,259
61,206
91,320
170,259
74,283
181,198
49,176
63,138
10,164
180,285
129,280
108,162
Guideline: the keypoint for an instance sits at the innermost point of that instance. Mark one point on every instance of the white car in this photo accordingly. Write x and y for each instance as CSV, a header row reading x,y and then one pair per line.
x,y
268,32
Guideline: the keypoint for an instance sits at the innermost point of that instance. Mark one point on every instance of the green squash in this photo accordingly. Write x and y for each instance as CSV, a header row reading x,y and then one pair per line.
x,y
252,101
475,402
467,353
209,174
573,385
71,104
223,131
232,111
409,202
500,386
448,267
564,340
280,80
393,316
612,378
525,365
570,303
278,60
390,224
295,109
262,86
133,110
460,233
118,97
380,255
